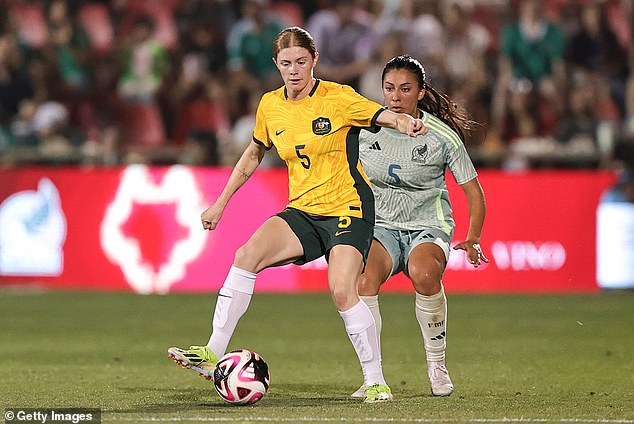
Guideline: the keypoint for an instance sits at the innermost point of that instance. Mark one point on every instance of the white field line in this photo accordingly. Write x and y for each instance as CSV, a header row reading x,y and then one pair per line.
x,y
375,420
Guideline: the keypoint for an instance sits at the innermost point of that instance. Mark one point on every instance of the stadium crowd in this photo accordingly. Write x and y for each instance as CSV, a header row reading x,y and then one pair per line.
x,y
103,83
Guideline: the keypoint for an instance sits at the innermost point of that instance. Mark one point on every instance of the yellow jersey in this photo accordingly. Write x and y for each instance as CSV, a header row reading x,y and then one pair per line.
x,y
318,138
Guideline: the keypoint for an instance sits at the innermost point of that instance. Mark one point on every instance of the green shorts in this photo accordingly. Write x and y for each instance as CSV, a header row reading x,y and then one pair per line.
x,y
318,234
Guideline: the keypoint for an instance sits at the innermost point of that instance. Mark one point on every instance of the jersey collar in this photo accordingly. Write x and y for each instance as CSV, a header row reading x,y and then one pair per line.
x,y
312,91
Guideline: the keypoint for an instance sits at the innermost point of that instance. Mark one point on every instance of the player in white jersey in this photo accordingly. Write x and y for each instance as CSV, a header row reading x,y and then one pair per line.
x,y
414,224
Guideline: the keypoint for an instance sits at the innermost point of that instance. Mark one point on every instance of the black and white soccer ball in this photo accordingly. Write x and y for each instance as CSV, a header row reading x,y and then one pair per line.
x,y
241,377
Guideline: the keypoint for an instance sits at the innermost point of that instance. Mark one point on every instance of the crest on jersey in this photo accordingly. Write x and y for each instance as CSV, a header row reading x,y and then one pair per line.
x,y
322,126
419,154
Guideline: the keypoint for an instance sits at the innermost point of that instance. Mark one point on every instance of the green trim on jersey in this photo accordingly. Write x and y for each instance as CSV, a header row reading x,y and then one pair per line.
x,y
436,124
448,229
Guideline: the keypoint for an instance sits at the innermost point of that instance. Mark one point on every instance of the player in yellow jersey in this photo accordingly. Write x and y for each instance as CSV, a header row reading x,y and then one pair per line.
x,y
314,126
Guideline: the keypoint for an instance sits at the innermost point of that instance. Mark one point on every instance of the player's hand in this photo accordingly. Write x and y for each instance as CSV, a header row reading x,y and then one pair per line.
x,y
211,216
474,252
411,126
417,128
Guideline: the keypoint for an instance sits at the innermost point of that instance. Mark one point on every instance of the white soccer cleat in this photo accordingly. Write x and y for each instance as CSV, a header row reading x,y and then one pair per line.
x,y
439,380
360,392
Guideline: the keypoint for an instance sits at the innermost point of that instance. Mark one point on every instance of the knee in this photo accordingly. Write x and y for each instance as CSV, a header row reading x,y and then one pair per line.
x,y
425,277
245,258
369,284
343,297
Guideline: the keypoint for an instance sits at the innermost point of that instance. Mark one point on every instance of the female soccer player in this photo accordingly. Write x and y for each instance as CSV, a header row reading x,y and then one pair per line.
x,y
315,127
414,226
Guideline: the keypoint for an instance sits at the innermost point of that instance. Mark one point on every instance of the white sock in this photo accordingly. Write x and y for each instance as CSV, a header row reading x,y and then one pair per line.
x,y
231,304
362,333
373,304
431,313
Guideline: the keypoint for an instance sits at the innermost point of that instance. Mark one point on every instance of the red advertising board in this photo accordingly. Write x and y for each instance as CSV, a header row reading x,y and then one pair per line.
x,y
138,228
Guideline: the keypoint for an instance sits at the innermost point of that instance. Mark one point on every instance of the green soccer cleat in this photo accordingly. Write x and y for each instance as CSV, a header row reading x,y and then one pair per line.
x,y
197,358
378,393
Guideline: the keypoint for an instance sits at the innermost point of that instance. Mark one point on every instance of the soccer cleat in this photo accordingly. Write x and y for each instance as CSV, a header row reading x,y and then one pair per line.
x,y
198,358
360,392
439,380
378,393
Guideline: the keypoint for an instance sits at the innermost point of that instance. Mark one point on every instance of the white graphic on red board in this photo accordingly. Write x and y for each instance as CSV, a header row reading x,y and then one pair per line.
x,y
32,232
152,227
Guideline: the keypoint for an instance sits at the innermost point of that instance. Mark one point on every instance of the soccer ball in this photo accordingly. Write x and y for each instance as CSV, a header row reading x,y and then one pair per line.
x,y
241,377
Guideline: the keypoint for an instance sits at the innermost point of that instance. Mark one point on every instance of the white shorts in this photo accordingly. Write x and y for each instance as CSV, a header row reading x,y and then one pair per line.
x,y
400,243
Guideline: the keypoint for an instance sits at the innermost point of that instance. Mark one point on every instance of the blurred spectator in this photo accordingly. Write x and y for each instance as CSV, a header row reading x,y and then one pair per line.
x,y
242,135
201,117
105,150
532,46
23,125
15,83
595,49
578,129
69,44
242,131
43,76
530,65
579,123
200,149
344,34
57,139
6,141
145,63
218,15
204,51
465,59
389,16
159,12
70,54
391,45
250,52
426,39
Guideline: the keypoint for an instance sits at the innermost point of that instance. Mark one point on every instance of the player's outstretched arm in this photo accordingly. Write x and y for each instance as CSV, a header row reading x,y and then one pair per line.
x,y
402,122
245,167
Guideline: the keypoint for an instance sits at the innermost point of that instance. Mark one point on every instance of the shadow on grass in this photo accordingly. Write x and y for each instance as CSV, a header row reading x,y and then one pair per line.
x,y
187,400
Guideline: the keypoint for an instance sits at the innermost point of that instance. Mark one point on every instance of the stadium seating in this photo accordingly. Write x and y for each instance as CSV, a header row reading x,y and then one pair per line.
x,y
95,20
30,23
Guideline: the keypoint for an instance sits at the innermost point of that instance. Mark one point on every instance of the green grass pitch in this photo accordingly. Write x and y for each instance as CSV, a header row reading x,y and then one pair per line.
x,y
541,358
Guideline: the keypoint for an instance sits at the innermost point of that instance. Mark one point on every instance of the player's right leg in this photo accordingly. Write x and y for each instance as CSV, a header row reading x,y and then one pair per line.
x,y
197,358
274,243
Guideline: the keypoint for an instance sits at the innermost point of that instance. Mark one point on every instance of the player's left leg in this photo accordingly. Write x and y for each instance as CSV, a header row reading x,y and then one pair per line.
x,y
378,269
344,268
425,266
